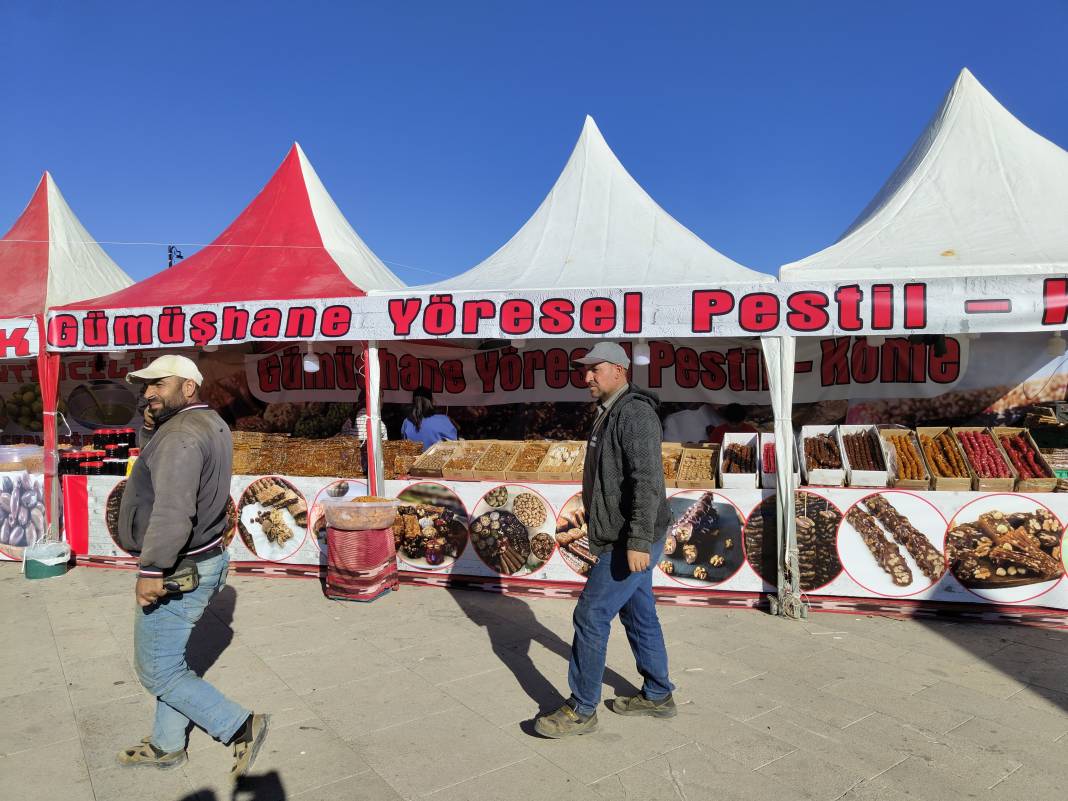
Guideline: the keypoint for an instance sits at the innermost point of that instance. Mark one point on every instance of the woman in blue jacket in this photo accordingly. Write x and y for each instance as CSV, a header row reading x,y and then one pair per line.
x,y
424,423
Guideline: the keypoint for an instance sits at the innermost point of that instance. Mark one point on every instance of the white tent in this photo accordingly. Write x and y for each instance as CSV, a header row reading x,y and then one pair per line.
x,y
599,228
979,194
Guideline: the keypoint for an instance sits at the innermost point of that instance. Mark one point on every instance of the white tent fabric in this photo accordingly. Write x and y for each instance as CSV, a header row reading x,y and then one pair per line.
x,y
599,228
357,261
979,194
78,267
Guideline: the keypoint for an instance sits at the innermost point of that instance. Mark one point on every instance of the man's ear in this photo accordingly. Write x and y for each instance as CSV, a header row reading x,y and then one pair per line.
x,y
189,388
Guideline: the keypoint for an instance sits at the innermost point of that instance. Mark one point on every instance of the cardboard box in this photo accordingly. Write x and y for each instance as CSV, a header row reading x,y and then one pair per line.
x,y
740,480
821,477
670,455
431,463
980,483
942,483
863,478
572,470
515,474
893,466
462,465
1027,484
484,471
706,453
768,480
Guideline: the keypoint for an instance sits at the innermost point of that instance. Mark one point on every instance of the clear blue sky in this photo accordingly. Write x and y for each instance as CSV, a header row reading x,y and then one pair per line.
x,y
439,127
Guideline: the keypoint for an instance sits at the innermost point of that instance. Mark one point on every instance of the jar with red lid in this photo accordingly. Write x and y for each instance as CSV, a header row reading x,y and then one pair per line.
x,y
91,468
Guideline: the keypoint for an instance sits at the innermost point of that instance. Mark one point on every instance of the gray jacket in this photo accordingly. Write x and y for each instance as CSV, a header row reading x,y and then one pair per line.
x,y
626,502
176,496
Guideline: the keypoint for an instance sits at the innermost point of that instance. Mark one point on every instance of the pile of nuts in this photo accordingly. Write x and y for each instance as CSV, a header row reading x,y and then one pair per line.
x,y
697,465
529,508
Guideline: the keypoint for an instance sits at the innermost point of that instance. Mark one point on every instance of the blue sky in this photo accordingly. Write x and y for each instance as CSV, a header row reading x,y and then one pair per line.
x,y
439,127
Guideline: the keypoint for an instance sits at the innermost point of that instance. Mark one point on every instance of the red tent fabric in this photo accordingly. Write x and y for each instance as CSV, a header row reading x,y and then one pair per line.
x,y
291,242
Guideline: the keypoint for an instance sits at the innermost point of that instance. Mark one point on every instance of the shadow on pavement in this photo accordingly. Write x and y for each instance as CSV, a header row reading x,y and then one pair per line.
x,y
209,639
265,787
512,626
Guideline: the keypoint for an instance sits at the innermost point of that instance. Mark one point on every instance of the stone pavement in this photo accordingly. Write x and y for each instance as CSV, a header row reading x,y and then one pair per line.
x,y
429,694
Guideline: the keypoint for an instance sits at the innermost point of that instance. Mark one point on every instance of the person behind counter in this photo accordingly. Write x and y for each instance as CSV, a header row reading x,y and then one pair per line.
x,y
735,415
424,422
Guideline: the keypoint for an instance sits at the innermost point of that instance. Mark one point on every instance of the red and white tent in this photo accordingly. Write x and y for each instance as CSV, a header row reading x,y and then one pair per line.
x,y
47,259
290,243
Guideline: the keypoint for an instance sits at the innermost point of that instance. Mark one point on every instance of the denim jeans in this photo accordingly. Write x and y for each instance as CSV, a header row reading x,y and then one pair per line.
x,y
161,633
611,589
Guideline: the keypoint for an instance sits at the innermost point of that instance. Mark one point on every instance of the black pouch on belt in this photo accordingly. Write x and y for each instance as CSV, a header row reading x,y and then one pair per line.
x,y
185,578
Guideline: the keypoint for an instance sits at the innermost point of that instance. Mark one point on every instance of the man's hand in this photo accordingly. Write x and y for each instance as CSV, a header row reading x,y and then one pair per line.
x,y
149,590
150,421
637,561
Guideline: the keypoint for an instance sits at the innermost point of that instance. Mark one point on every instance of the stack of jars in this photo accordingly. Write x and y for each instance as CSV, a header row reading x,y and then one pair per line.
x,y
110,455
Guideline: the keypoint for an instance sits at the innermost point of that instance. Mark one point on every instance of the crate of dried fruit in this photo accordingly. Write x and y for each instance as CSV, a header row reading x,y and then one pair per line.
x,y
738,467
863,456
904,459
821,456
461,466
991,468
494,464
563,462
431,463
1034,473
670,456
769,461
527,461
945,460
697,467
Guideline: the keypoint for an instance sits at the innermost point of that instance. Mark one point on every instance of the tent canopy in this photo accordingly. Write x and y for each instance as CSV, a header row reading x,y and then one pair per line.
x,y
978,194
49,259
291,242
599,228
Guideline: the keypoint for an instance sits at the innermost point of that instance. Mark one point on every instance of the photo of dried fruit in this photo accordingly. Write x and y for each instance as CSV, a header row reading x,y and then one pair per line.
x,y
111,516
817,540
704,545
761,538
891,543
340,490
571,536
22,512
1006,548
431,528
512,530
272,518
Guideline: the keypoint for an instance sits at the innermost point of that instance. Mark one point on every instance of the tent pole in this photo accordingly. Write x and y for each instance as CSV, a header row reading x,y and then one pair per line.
x,y
376,476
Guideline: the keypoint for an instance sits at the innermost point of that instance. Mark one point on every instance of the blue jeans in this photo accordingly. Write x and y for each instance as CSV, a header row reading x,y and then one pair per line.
x,y
161,633
611,589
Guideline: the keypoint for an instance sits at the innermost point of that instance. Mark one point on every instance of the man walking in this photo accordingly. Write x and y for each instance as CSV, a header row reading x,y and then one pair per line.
x,y
173,516
627,518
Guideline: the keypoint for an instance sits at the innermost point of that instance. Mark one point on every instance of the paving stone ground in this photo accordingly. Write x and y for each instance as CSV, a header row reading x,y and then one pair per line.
x,y
429,694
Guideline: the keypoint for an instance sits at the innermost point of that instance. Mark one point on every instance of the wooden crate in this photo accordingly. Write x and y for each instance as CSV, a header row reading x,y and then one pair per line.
x,y
494,463
670,455
892,465
979,483
432,461
698,455
942,483
1027,484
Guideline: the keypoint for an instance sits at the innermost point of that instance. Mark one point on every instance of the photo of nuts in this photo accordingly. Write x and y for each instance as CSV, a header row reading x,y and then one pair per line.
x,y
696,546
510,530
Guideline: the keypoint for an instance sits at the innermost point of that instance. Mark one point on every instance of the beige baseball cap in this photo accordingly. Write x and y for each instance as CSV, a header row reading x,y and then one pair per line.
x,y
164,366
610,352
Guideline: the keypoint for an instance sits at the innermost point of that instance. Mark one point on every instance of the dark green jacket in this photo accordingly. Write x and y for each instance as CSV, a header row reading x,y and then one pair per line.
x,y
624,497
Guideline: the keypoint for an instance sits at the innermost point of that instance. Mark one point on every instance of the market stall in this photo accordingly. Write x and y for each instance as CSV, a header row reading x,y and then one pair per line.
x,y
232,307
46,259
942,493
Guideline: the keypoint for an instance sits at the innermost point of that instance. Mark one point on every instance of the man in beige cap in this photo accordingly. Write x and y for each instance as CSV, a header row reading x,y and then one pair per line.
x,y
627,516
173,515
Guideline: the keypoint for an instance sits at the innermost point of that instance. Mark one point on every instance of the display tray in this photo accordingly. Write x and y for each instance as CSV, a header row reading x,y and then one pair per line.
x,y
563,462
527,461
462,464
697,467
1045,484
749,445
945,483
893,463
821,476
432,461
982,483
494,463
864,477
768,479
670,456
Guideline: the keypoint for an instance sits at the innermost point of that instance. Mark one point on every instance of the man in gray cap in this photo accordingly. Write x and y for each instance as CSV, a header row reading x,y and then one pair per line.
x,y
173,517
627,518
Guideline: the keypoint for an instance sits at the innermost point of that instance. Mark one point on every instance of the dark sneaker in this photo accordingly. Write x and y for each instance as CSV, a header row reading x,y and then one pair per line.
x,y
640,705
246,750
146,755
565,722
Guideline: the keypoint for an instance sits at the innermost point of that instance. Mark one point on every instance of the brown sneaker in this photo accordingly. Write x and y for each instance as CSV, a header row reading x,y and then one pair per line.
x,y
146,755
565,722
246,751
640,705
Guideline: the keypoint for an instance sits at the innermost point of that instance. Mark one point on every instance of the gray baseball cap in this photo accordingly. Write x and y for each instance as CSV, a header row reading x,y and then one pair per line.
x,y
610,352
